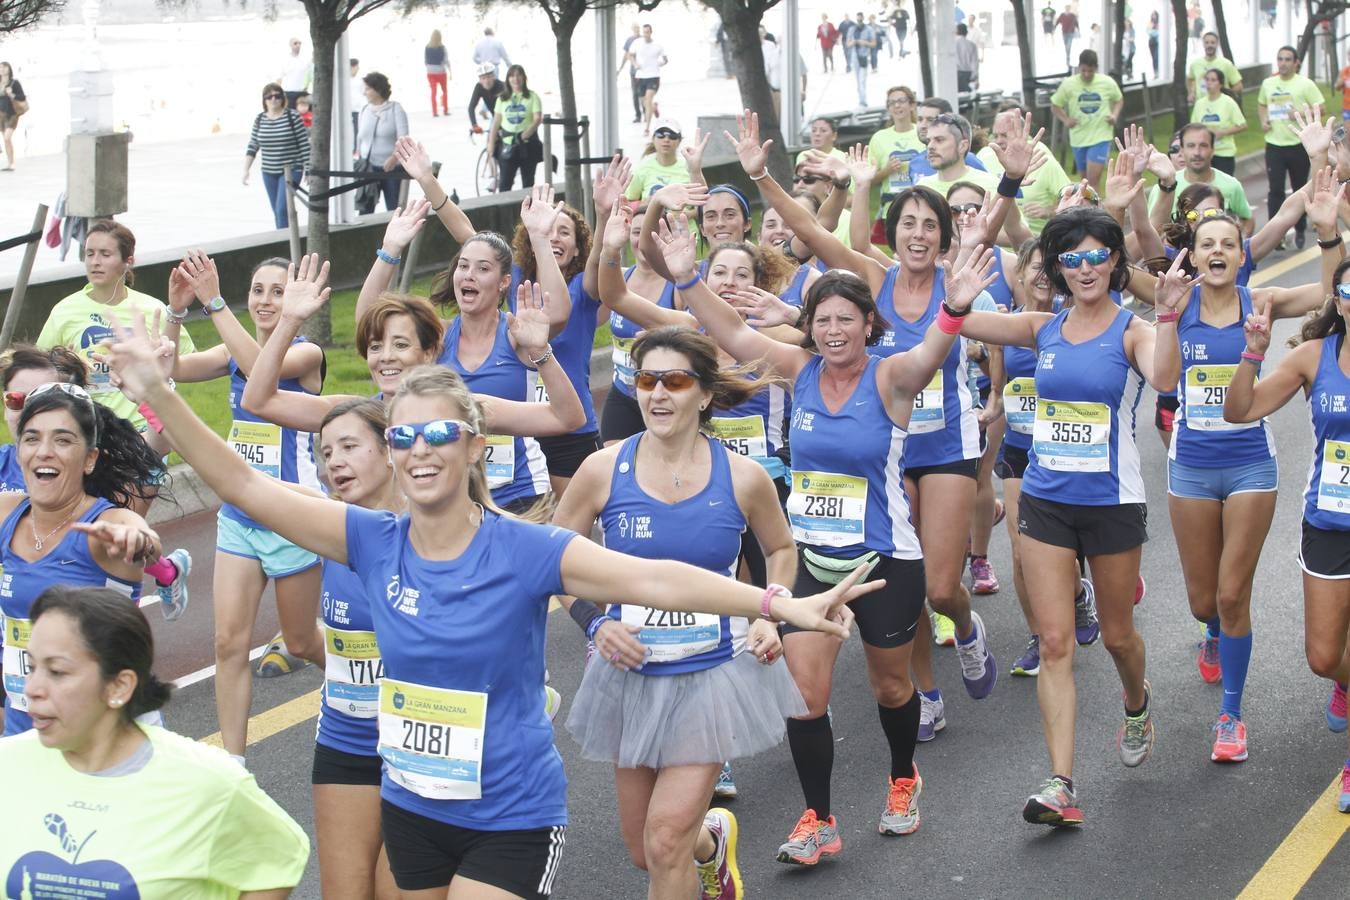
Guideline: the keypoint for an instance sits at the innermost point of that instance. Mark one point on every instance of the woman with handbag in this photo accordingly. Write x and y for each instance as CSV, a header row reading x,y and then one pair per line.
x,y
279,134
515,126
13,103
383,121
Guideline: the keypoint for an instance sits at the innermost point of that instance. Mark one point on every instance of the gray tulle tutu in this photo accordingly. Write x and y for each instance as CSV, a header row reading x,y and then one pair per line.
x,y
654,721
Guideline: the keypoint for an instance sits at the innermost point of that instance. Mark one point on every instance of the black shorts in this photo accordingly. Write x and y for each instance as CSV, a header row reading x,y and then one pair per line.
x,y
1325,553
648,84
885,618
1013,464
1089,530
566,452
1165,411
425,854
966,467
522,505
338,767
621,417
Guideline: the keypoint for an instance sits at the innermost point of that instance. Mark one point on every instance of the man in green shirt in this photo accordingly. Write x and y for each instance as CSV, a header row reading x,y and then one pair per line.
x,y
1195,72
1280,95
1089,105
1197,147
1041,190
948,142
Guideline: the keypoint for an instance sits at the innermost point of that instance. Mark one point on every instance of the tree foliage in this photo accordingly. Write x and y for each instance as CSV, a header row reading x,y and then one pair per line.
x,y
16,15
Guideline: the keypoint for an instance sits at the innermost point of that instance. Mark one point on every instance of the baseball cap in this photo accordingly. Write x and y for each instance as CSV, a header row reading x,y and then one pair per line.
x,y
487,69
667,124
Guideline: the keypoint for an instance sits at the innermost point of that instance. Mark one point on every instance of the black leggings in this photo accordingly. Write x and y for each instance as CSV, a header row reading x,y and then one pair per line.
x,y
523,160
1281,161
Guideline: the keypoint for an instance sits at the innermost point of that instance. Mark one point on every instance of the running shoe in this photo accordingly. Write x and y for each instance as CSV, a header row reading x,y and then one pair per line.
x,y
978,668
277,660
1207,660
932,717
1140,589
173,597
810,840
1336,708
726,787
902,805
1344,804
1029,663
1230,740
1054,805
1135,737
720,876
944,630
552,702
1085,627
982,578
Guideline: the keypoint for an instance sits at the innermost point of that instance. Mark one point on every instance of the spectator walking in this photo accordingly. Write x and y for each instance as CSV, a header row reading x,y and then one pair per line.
x,y
967,60
861,43
1280,95
648,57
13,103
490,49
826,35
438,71
846,28
1089,104
882,34
1153,41
1048,17
280,136
900,20
1067,23
382,123
1127,48
356,88
632,71
296,73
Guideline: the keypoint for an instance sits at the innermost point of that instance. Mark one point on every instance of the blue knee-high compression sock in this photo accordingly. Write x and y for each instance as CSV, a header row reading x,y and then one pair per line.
x,y
1212,627
1234,655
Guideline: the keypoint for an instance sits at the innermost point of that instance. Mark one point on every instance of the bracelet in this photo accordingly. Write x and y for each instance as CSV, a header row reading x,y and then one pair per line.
x,y
612,263
150,418
688,284
1330,243
1166,317
761,176
766,601
842,185
1254,357
548,354
178,318
1167,190
584,613
442,203
1008,187
385,257
948,323
594,625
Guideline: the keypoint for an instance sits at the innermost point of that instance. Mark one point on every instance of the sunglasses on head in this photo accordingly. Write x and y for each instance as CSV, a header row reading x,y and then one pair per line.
x,y
675,380
1089,192
1075,258
806,179
436,433
666,133
15,400
1195,215
960,209
1343,291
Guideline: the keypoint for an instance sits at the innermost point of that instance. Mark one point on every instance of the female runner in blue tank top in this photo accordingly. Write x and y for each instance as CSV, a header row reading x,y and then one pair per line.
x,y
82,465
848,509
22,368
473,793
1082,490
668,699
943,448
1222,477
248,555
1318,366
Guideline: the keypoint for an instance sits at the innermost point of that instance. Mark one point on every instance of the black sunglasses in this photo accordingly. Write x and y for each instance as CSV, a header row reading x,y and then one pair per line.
x,y
807,179
274,96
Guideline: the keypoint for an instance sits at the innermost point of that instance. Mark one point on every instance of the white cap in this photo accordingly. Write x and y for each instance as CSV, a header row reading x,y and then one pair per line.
x,y
486,69
667,123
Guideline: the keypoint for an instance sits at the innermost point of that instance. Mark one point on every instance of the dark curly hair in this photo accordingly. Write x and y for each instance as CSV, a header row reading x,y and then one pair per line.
x,y
1068,229
524,253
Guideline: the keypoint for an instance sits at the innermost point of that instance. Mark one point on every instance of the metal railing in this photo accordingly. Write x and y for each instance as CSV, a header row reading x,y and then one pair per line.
x,y
29,242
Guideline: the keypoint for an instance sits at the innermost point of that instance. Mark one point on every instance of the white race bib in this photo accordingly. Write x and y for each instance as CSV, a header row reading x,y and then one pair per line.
x,y
927,416
1206,387
500,460
1072,437
827,510
672,636
432,739
743,434
1333,491
259,443
1019,404
17,662
352,672
623,360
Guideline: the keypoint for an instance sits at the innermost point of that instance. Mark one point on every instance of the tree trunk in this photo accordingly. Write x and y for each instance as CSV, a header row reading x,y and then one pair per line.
x,y
747,60
1118,42
323,39
1024,38
1324,12
925,51
1221,29
1181,110
562,40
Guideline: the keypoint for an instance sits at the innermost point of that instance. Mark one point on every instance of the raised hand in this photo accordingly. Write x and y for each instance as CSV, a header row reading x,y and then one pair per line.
x,y
133,355
404,226
972,272
306,288
761,309
611,181
615,236
1256,328
538,211
413,157
824,165
1017,157
180,290
1324,206
754,156
677,246
1160,164
1138,145
529,326
1080,194
1312,132
130,543
693,150
860,166
1172,291
1124,183
676,197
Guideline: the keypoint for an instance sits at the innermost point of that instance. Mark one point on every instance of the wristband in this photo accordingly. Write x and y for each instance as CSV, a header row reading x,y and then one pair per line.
x,y
385,257
1008,187
1165,317
178,318
761,176
948,323
688,284
548,354
150,418
584,613
1254,357
1166,189
1330,243
766,601
842,185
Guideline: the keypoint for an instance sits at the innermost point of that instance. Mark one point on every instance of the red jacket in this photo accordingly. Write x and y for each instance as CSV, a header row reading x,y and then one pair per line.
x,y
827,34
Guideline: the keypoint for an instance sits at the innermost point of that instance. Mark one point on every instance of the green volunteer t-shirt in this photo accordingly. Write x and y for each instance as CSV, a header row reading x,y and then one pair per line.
x,y
191,823
1090,103
1198,67
1219,113
1234,197
649,176
80,322
1040,189
974,176
518,111
888,144
1281,97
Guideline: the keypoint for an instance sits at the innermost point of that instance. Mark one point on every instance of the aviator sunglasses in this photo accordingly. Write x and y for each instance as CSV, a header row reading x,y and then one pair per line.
x,y
675,380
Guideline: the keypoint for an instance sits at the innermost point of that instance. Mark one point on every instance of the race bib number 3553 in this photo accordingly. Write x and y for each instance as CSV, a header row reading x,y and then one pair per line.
x,y
1072,437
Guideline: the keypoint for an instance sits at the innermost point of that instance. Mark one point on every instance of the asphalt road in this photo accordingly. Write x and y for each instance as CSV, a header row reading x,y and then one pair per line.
x,y
1178,825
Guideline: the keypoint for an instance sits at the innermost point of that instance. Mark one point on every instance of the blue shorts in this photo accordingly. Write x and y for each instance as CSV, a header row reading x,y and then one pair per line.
x,y
1345,115
277,556
1092,153
1195,483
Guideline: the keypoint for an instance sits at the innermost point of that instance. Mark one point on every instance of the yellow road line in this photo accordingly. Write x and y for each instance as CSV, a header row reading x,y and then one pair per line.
x,y
277,719
1302,851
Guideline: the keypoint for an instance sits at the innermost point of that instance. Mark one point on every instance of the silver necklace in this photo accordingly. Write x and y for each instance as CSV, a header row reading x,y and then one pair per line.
x,y
40,542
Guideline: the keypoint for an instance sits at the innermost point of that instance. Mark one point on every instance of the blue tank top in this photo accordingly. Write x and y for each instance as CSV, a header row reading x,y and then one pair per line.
x,y
282,453
622,334
942,428
638,524
572,346
848,489
1082,448
792,294
70,563
755,428
1209,356
350,701
1019,396
515,466
11,473
1326,498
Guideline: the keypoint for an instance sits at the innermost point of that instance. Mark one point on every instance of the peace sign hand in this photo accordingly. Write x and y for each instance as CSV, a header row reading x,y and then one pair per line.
x,y
1172,291
1257,326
